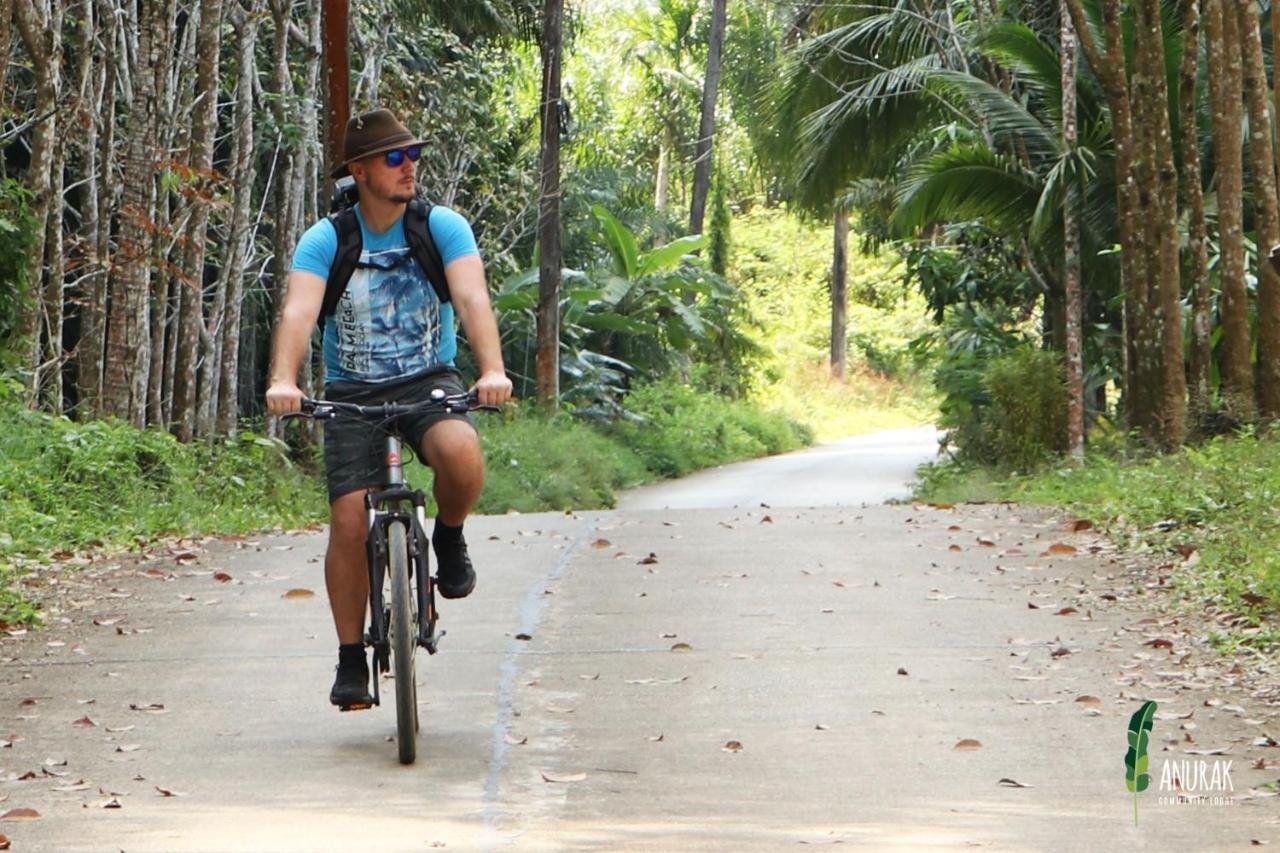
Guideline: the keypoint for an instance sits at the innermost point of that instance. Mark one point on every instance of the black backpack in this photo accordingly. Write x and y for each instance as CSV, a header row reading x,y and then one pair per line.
x,y
351,243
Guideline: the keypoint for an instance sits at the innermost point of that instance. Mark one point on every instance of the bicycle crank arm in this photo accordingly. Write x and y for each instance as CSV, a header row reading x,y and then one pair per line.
x,y
432,642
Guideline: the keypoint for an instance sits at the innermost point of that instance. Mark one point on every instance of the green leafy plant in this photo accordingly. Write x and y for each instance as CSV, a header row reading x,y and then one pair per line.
x,y
1135,759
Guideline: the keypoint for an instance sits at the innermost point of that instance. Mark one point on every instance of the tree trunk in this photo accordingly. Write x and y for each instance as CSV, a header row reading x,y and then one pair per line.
x,y
1165,291
241,235
1071,251
703,151
840,293
6,38
43,42
128,330
287,190
338,77
1224,73
96,76
662,187
1110,71
203,128
1200,385
548,362
1266,209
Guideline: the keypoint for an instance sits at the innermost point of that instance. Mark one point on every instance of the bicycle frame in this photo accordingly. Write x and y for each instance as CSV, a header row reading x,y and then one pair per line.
x,y
384,508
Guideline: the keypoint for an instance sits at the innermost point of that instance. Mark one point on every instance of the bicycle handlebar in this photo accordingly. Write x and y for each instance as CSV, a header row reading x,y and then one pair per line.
x,y
452,404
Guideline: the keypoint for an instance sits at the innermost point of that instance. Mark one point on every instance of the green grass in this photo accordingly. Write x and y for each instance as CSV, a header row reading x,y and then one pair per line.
x,y
1219,500
67,486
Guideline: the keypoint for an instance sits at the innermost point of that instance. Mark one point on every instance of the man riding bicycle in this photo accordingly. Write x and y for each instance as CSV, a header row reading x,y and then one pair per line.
x,y
390,338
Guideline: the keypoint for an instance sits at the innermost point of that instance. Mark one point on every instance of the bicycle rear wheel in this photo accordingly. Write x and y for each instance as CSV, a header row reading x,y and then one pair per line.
x,y
404,643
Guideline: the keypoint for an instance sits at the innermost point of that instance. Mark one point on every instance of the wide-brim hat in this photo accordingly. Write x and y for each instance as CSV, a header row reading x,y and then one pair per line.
x,y
372,133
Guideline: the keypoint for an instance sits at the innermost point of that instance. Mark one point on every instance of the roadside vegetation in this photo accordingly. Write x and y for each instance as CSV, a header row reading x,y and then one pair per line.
x,y
1210,512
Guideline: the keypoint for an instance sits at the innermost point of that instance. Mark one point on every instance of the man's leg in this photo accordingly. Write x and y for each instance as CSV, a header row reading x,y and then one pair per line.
x,y
452,449
346,567
346,576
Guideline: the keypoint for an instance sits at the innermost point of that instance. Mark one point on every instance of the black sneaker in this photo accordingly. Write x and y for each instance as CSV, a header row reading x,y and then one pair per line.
x,y
351,686
455,577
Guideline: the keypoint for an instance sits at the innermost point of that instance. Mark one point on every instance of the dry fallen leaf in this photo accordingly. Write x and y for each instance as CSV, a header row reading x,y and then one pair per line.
x,y
968,743
221,576
732,746
563,777
1012,783
4,842
1060,548
150,708
515,741
524,636
601,543
1089,700
20,814
84,723
902,671
1066,611
682,647
129,747
298,593
167,792
660,738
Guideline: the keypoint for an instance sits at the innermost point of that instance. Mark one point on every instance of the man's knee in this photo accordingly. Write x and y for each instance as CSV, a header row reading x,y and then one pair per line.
x,y
453,447
348,519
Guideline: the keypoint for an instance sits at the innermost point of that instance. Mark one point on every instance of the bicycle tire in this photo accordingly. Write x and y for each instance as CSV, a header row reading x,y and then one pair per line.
x,y
404,644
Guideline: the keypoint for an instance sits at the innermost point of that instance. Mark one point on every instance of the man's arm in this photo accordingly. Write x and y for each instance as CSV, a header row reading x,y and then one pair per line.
x,y
302,304
470,298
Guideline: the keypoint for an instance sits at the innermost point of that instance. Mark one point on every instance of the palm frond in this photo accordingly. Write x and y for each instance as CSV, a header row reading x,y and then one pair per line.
x,y
963,183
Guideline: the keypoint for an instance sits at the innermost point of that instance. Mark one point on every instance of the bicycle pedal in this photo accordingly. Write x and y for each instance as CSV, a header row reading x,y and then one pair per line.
x,y
356,706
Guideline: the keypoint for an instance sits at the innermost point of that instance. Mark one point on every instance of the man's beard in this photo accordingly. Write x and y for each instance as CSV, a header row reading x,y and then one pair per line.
x,y
401,196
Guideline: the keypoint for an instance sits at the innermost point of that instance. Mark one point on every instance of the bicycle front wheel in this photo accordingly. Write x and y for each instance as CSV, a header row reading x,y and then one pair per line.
x,y
404,643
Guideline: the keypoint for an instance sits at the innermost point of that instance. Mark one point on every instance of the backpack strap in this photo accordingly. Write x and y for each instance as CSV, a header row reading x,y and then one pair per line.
x,y
417,233
345,260
422,246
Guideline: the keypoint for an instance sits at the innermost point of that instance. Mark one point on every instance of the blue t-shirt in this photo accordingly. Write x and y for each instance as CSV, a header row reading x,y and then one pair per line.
x,y
389,323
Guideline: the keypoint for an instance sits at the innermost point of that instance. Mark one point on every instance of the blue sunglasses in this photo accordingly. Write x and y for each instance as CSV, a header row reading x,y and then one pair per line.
x,y
395,157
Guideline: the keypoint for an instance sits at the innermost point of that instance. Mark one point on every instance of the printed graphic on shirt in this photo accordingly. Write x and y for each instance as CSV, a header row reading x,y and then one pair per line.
x,y
388,322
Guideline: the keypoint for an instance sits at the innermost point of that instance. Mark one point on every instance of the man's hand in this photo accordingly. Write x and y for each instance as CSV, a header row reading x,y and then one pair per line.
x,y
284,397
492,388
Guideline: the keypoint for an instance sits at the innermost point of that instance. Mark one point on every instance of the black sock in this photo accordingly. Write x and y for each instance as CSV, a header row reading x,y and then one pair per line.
x,y
351,655
445,534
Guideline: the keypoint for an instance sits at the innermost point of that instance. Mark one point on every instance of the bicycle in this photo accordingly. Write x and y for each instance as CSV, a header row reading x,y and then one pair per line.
x,y
402,614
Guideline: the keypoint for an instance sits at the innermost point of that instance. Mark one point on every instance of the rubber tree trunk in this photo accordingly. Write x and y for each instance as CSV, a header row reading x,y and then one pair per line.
x,y
1071,251
128,345
840,293
703,151
1109,67
43,43
1266,209
203,130
548,338
1223,57
1196,272
1166,290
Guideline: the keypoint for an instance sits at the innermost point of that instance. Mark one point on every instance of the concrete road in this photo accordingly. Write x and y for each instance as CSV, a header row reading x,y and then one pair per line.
x,y
867,469
883,678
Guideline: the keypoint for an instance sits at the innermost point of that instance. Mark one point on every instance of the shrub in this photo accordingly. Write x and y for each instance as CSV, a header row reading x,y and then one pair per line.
x,y
1026,421
677,430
